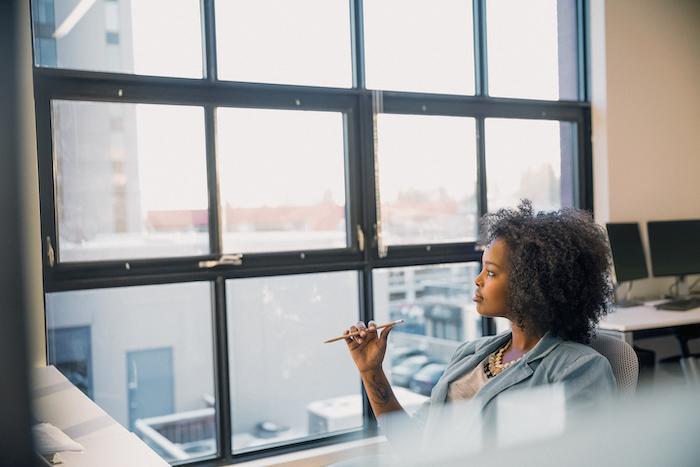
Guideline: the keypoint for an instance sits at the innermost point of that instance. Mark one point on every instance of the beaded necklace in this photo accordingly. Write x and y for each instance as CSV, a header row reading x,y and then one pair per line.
x,y
494,365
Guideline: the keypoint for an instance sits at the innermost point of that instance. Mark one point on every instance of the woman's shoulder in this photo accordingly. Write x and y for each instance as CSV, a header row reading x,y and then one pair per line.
x,y
571,353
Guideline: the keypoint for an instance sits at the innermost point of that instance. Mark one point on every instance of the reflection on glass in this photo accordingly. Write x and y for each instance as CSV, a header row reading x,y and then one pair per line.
x,y
427,179
144,355
532,49
145,37
304,42
282,179
419,46
285,384
130,180
435,302
529,159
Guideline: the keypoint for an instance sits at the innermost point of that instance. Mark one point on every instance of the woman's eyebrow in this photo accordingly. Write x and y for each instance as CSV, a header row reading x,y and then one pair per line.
x,y
491,263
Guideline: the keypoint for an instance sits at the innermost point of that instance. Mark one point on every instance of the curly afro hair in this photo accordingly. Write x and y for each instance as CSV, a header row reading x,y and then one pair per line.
x,y
559,279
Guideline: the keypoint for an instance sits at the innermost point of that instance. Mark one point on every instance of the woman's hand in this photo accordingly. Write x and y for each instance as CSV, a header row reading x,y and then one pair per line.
x,y
367,349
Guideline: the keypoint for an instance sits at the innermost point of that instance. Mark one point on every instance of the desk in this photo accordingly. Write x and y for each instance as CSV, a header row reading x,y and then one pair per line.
x,y
106,443
646,321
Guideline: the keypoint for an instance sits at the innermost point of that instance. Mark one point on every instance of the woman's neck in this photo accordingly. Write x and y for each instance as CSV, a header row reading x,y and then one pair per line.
x,y
523,340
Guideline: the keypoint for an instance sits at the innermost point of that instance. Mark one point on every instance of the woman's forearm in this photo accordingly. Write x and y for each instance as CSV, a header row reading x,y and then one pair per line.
x,y
379,392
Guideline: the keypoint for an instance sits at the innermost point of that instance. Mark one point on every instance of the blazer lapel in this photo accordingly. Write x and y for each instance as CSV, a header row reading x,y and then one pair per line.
x,y
519,371
467,364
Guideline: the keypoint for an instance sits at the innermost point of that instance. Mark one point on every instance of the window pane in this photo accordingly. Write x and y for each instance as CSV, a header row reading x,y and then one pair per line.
x,y
288,42
285,384
419,46
530,159
436,305
144,355
130,180
282,179
532,49
145,37
427,179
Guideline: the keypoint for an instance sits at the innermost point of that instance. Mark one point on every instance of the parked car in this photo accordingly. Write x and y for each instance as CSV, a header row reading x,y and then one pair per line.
x,y
402,373
426,378
399,354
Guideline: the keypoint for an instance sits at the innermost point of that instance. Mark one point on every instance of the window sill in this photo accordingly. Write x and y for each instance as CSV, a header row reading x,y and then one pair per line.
x,y
324,455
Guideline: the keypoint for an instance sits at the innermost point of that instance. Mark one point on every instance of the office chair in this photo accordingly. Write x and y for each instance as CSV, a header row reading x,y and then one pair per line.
x,y
622,358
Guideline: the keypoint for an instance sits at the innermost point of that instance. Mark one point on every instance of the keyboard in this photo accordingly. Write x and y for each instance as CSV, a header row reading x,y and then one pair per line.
x,y
682,304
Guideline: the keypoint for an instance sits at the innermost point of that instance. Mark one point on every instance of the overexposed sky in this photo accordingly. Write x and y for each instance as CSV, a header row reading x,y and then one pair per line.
x,y
298,157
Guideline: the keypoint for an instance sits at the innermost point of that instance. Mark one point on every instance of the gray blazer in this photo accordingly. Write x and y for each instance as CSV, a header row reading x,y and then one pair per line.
x,y
584,373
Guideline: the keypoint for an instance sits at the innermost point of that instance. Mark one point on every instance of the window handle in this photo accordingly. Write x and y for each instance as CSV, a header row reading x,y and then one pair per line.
x,y
50,254
224,260
360,238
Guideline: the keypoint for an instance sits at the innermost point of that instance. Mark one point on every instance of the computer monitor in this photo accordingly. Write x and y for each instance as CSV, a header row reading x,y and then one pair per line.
x,y
627,251
674,247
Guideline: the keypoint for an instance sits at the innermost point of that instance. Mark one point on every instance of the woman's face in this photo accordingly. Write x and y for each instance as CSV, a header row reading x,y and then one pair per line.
x,y
492,282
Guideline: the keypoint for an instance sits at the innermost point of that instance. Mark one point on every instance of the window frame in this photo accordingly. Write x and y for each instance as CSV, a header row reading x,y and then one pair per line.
x,y
356,105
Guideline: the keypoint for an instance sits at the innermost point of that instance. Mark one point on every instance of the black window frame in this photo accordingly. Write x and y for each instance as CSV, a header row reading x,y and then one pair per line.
x,y
356,104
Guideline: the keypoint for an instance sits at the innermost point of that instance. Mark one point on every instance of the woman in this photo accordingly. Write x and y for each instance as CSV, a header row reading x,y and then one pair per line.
x,y
547,274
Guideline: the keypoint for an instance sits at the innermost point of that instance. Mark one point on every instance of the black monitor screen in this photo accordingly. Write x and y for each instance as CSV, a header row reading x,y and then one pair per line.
x,y
627,251
674,247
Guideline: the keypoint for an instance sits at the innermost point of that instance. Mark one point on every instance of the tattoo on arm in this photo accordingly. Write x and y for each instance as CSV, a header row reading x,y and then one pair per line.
x,y
380,389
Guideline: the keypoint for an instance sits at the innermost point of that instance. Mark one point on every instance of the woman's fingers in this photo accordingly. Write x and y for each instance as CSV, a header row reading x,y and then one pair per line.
x,y
360,326
371,330
352,345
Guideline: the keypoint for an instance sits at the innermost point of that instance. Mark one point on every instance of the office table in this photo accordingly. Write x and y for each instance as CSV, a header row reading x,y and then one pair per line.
x,y
646,321
106,443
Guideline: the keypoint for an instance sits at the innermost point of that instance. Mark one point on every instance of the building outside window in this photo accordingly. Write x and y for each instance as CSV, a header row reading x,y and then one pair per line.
x,y
224,185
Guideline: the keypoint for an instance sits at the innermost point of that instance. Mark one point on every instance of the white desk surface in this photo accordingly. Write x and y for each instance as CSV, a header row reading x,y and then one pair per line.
x,y
638,318
106,442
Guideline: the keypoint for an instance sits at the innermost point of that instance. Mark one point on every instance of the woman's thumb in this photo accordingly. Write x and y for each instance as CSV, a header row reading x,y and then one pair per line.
x,y
385,333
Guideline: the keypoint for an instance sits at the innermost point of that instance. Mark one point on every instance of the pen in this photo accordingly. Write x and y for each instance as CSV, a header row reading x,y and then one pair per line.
x,y
357,333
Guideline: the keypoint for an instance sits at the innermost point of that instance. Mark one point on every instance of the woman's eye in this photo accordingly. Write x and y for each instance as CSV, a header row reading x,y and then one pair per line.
x,y
490,273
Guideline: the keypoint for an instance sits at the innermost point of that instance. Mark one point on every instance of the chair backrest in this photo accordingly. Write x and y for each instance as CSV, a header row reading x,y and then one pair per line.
x,y
623,360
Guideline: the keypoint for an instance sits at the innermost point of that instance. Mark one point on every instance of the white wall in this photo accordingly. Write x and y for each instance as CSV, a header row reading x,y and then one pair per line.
x,y
645,83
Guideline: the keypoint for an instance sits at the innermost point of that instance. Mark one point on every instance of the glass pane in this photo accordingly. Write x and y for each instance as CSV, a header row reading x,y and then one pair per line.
x,y
130,180
144,355
427,179
282,179
145,37
532,50
285,384
436,305
419,46
530,159
287,42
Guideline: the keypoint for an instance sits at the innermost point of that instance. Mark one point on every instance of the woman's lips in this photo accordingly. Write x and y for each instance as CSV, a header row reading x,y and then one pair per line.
x,y
477,298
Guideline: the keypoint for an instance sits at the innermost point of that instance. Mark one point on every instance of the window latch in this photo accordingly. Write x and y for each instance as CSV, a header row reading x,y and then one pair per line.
x,y
224,260
360,238
50,254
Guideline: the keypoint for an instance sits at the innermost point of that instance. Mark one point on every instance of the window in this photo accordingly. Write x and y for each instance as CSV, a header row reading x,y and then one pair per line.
x,y
282,395
532,49
435,304
427,178
145,355
134,191
282,179
224,185
418,46
278,41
